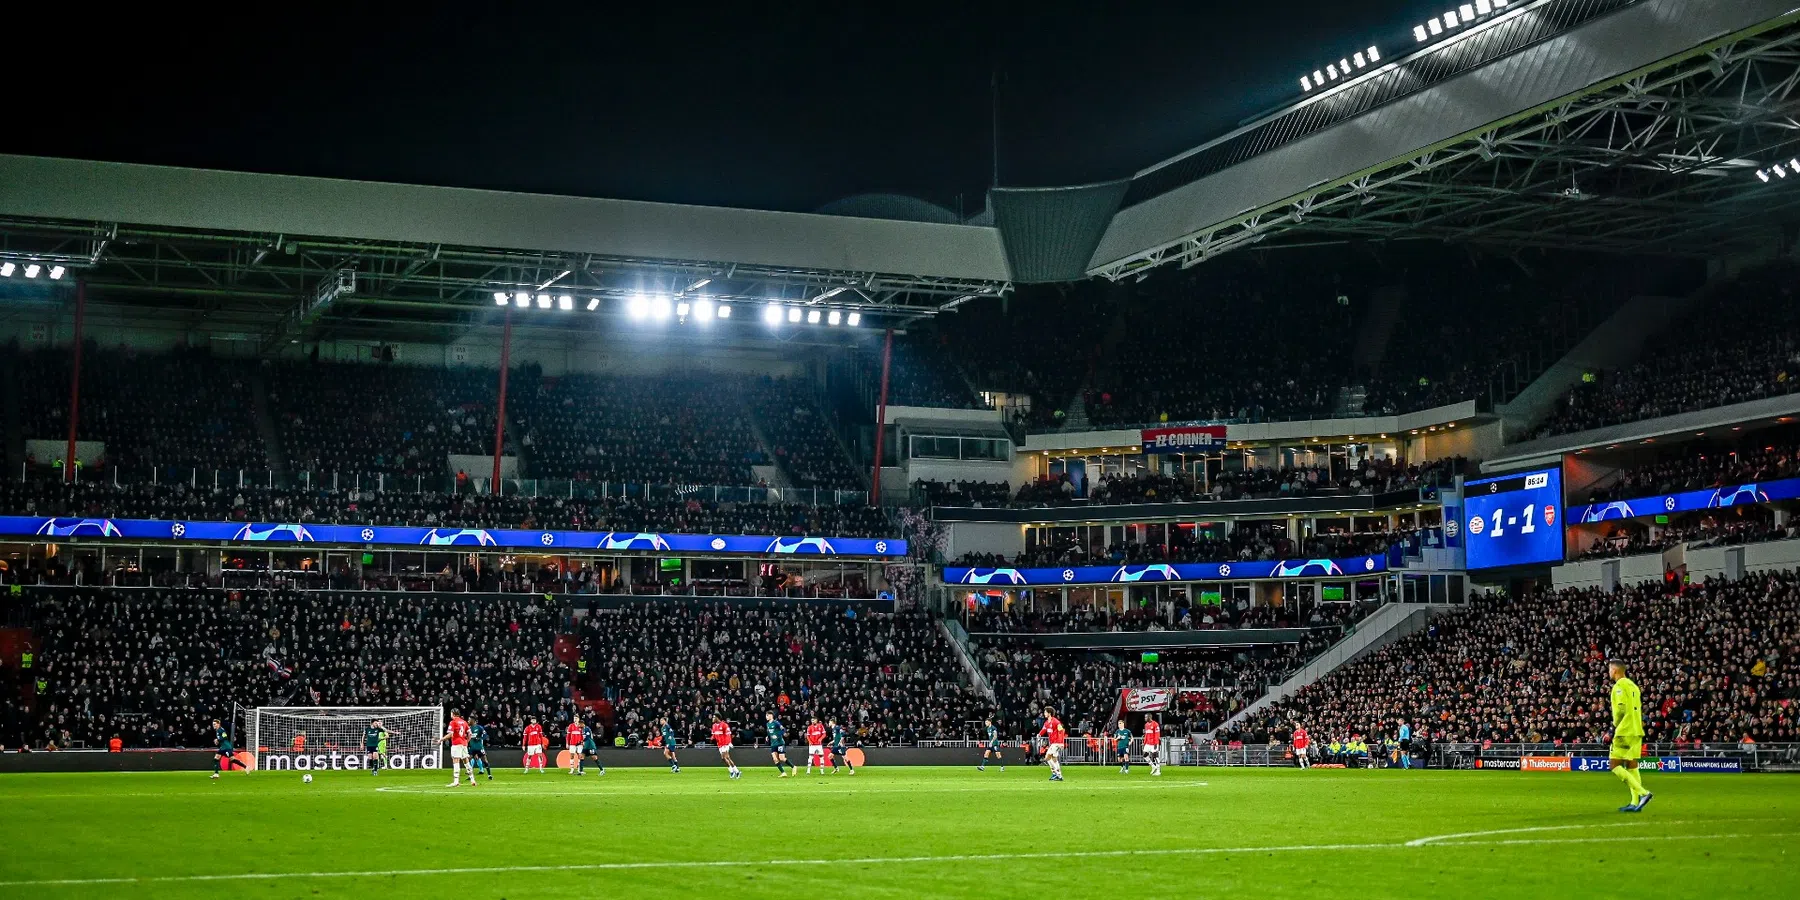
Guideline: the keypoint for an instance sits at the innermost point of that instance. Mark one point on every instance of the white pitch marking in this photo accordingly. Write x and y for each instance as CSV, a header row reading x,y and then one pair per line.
x,y
1437,838
797,792
859,861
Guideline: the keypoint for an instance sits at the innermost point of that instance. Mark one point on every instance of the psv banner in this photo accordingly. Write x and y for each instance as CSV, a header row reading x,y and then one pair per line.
x,y
1148,699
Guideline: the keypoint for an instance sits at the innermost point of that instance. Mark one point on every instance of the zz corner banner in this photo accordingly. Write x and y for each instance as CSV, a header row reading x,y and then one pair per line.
x,y
1148,699
1182,439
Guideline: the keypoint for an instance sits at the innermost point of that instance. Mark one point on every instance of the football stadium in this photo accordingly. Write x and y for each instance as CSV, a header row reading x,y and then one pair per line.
x,y
895,456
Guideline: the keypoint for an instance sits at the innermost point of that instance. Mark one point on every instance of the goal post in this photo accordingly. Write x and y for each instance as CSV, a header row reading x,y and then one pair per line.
x,y
326,738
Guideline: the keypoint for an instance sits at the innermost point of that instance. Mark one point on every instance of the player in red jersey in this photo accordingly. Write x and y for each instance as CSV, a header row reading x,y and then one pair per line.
x,y
1153,745
721,738
535,742
1302,747
576,735
815,745
458,736
1054,737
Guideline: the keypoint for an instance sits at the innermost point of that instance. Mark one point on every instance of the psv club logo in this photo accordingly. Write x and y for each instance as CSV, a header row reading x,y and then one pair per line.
x,y
1549,515
1476,525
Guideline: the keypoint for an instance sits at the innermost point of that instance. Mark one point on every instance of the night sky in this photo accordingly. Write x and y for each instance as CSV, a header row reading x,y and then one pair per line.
x,y
780,107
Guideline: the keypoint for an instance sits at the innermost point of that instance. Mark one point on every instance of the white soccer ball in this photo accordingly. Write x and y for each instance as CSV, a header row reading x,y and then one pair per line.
x,y
307,778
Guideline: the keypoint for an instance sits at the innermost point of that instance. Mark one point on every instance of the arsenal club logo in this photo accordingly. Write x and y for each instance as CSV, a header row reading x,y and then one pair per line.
x,y
1549,515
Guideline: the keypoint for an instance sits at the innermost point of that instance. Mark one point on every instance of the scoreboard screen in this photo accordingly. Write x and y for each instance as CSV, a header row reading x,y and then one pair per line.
x,y
1512,520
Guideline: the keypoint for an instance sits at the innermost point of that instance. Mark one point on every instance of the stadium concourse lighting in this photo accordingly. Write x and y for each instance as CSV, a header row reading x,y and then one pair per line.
x,y
565,303
499,298
772,314
854,319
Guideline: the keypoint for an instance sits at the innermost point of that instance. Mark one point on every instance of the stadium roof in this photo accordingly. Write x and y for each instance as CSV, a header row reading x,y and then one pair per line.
x,y
1603,124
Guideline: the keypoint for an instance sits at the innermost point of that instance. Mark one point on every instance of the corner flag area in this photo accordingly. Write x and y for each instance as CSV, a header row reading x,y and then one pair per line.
x,y
919,832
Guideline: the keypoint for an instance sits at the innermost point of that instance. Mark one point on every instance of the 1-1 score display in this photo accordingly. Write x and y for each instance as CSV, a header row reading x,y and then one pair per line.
x,y
1512,519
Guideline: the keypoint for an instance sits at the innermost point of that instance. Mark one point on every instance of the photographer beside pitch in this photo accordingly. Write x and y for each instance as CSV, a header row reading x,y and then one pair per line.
x,y
1628,736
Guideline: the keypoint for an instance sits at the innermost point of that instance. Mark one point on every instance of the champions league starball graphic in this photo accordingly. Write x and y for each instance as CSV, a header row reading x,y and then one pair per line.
x,y
1737,496
993,576
260,533
1152,572
800,545
453,537
1302,567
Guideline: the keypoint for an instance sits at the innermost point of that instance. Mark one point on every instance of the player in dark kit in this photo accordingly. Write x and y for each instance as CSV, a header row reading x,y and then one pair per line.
x,y
227,756
991,748
838,751
478,761
777,743
1122,747
668,742
373,737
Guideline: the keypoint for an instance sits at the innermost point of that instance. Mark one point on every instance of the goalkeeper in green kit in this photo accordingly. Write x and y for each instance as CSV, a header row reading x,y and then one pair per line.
x,y
1628,736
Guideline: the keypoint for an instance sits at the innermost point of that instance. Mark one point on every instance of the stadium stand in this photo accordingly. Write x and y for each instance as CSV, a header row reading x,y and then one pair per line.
x,y
800,440
1043,343
1249,541
687,428
1695,467
1697,364
888,677
156,666
1531,669
1721,529
923,372
380,419
183,408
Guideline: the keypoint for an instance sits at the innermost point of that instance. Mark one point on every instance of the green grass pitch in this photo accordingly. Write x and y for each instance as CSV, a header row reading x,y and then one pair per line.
x,y
898,832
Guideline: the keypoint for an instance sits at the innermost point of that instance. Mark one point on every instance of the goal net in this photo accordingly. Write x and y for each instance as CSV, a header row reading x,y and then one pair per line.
x,y
310,739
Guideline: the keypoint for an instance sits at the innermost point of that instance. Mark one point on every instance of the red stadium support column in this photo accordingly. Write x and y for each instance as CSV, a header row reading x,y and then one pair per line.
x,y
887,359
500,411
68,471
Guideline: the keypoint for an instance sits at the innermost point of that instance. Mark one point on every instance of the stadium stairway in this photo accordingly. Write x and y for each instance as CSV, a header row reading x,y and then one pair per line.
x,y
958,639
1617,342
10,431
1384,626
265,425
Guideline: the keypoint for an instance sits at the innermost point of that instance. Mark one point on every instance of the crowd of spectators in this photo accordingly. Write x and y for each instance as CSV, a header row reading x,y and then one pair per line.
x,y
180,408
671,428
1741,343
1368,476
1705,531
380,418
1699,468
1714,661
922,372
800,438
886,677
1051,335
979,494
155,667
1227,614
1249,541
693,513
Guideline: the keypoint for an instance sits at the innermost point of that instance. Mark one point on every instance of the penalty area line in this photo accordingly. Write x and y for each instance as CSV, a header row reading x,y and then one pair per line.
x,y
863,860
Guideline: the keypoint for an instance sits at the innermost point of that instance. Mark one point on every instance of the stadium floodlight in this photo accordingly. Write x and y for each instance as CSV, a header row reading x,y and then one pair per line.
x,y
32,270
1419,34
1793,164
794,314
565,303
1331,71
1374,55
703,310
682,309
521,300
593,303
854,319
724,310
834,318
1344,67
1305,83
1763,175
1436,27
1777,169
1318,78
772,313
1450,19
812,317
543,301
7,269
1360,60
659,306
499,298
1483,7
56,273
638,307
1467,11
